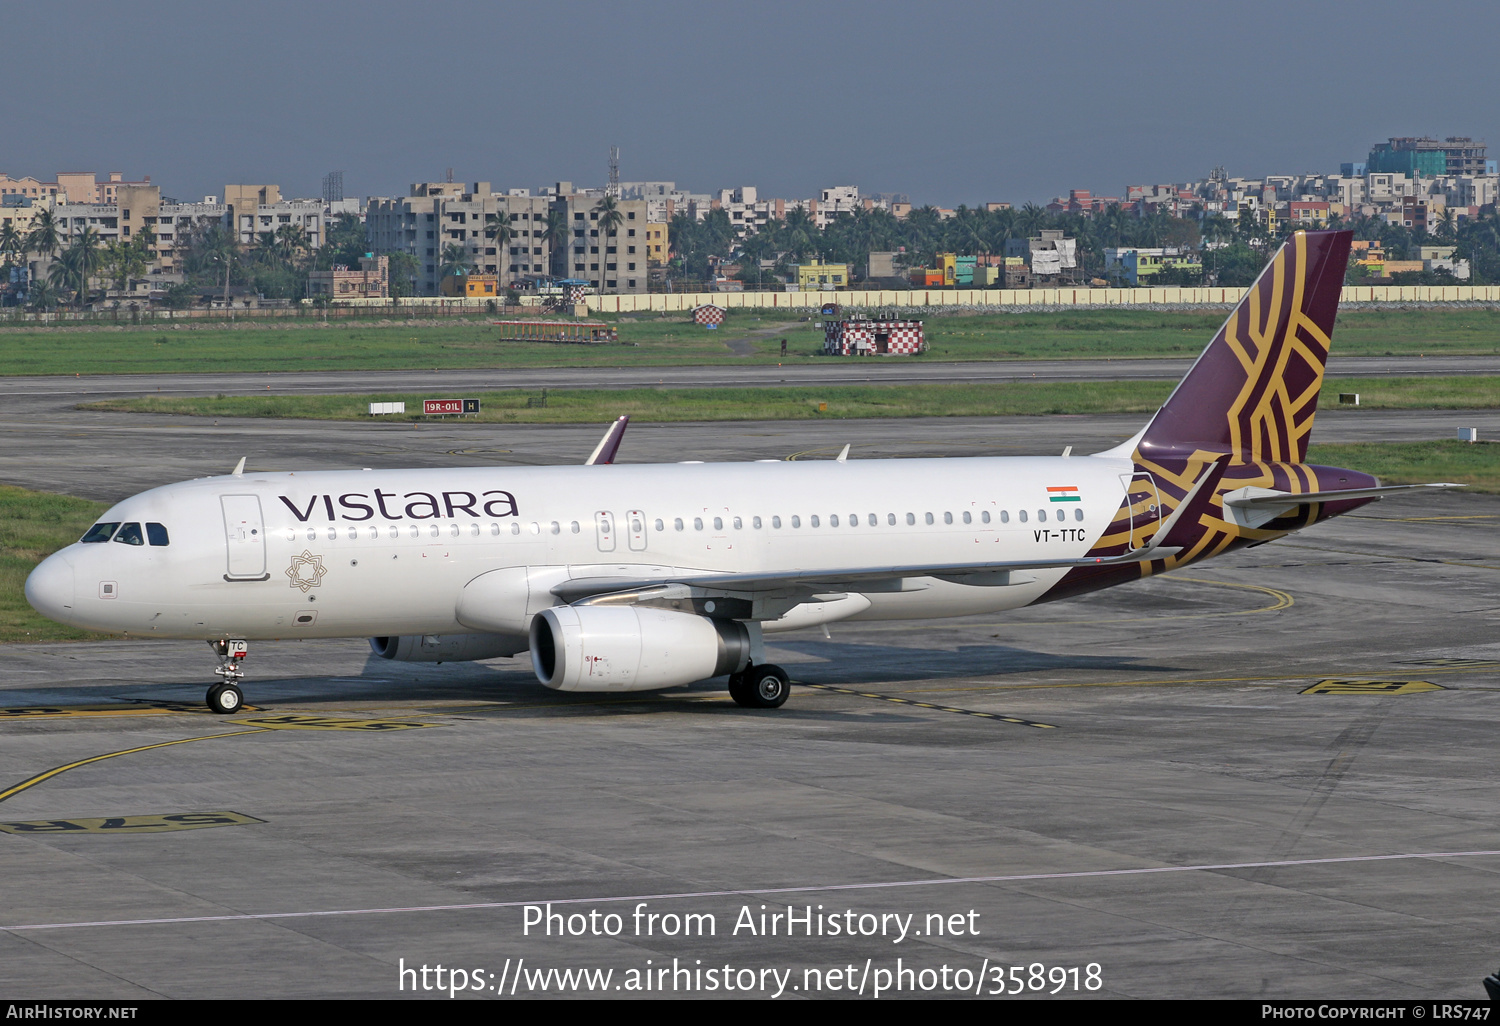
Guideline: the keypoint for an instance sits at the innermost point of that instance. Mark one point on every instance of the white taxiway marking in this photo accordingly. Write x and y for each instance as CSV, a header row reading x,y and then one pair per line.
x,y
755,891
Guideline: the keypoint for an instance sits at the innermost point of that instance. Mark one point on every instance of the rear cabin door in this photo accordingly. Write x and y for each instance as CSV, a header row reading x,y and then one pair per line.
x,y
1144,505
245,536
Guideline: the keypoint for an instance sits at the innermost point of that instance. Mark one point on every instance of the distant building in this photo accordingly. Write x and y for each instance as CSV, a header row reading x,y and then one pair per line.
x,y
822,276
258,209
880,337
371,281
609,260
436,214
1428,158
658,242
470,286
1138,265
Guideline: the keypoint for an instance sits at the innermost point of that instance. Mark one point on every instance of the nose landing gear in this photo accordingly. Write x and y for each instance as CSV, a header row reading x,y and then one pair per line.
x,y
226,696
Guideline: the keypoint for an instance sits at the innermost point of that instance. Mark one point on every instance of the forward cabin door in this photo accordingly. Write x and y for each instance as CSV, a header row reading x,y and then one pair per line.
x,y
245,536
1144,504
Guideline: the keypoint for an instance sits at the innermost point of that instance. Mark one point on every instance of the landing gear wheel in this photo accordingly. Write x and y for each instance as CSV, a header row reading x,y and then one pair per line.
x,y
760,687
225,698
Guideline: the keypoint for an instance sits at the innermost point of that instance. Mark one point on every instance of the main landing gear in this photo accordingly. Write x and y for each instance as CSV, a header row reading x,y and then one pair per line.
x,y
226,696
760,687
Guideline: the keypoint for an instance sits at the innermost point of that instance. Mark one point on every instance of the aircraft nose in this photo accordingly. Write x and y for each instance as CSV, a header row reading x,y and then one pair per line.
x,y
50,588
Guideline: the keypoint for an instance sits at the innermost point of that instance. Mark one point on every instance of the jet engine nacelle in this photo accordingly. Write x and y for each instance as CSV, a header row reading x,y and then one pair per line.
x,y
632,648
447,648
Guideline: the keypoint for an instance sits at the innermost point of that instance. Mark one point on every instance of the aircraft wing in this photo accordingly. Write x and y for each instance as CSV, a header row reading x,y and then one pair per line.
x,y
872,578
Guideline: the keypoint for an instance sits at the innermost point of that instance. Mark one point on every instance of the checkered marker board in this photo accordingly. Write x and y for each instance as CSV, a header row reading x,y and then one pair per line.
x,y
708,314
873,338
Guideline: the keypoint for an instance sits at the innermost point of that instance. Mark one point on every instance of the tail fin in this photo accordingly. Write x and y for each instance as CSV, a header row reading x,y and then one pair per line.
x,y
1254,390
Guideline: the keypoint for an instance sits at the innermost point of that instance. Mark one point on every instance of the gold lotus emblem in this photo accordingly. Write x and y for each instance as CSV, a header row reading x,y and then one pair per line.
x,y
306,571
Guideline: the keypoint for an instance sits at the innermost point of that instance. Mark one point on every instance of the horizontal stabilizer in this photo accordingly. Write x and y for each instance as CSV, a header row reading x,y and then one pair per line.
x,y
1266,498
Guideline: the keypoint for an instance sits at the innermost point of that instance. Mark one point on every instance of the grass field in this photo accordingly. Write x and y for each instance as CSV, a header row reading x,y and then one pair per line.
x,y
665,341
32,526
1476,465
579,406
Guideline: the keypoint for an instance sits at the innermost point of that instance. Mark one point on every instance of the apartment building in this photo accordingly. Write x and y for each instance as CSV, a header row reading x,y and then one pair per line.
x,y
258,209
439,214
612,261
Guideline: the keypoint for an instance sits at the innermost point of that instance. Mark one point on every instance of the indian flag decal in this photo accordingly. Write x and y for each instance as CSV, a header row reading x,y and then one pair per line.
x,y
1063,493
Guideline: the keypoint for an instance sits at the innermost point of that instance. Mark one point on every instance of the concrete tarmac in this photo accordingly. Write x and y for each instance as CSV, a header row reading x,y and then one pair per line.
x,y
1265,776
110,455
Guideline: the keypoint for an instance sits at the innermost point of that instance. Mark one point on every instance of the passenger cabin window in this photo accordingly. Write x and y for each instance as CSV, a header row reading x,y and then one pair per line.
x,y
947,518
1005,516
156,534
984,515
1077,513
1022,515
99,533
796,521
130,534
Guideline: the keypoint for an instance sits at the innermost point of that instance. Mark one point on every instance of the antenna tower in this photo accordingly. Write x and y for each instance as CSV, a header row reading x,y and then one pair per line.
x,y
333,187
614,173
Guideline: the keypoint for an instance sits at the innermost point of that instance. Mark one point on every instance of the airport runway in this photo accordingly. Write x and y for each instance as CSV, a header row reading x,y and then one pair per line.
x,y
110,455
24,395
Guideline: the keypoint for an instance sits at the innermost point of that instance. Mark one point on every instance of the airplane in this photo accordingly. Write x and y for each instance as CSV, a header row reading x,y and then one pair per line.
x,y
638,577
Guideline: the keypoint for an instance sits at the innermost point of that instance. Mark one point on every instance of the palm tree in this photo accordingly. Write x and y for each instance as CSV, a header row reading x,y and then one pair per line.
x,y
82,259
265,250
12,244
455,260
44,238
610,220
497,226
557,235
42,296
291,242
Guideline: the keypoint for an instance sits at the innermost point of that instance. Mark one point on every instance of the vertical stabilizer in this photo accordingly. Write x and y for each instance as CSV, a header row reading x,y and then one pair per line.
x,y
1254,390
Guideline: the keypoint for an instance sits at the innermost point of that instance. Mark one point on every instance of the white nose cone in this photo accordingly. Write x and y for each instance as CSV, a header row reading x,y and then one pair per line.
x,y
50,590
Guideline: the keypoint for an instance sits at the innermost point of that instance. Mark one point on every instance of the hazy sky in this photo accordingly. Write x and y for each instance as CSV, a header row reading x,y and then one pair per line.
x,y
951,103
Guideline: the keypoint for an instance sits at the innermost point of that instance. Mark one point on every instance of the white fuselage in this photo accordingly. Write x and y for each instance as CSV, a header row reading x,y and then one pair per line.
x,y
389,552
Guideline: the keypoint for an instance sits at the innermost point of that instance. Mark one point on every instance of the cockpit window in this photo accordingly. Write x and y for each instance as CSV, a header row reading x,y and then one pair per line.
x,y
130,534
156,534
100,532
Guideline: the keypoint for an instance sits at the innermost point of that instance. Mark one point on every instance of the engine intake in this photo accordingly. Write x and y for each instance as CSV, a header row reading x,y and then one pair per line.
x,y
446,648
632,648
